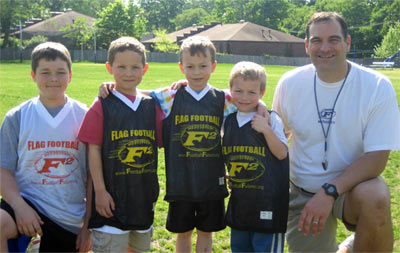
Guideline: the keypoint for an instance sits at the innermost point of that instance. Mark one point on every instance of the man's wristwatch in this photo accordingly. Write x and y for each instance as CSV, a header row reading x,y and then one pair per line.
x,y
330,189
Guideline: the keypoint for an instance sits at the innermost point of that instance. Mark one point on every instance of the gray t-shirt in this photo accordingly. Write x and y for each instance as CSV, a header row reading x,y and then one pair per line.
x,y
49,164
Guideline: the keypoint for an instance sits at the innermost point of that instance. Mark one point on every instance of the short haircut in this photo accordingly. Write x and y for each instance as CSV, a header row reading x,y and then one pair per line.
x,y
50,51
126,43
196,45
249,71
327,16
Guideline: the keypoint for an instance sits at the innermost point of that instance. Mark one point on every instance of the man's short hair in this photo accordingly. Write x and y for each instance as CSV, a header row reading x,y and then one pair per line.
x,y
249,71
327,16
123,44
196,45
50,51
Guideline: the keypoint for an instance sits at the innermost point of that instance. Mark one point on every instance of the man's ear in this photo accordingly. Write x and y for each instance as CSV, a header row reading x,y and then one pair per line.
x,y
348,42
109,68
306,46
145,68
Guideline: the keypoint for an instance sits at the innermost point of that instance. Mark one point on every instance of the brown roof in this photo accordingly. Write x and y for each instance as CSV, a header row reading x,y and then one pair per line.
x,y
52,25
244,31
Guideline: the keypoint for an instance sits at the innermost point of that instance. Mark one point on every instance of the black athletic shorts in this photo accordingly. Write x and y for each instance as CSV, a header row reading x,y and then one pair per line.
x,y
207,216
55,238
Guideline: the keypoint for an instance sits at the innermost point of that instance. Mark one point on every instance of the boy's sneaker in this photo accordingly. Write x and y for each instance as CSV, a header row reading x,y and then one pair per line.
x,y
34,245
347,245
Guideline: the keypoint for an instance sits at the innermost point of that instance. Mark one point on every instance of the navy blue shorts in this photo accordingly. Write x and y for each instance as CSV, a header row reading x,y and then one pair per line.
x,y
55,238
246,241
207,216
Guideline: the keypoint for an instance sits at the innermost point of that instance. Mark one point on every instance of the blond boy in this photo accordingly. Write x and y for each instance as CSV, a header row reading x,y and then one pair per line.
x,y
255,153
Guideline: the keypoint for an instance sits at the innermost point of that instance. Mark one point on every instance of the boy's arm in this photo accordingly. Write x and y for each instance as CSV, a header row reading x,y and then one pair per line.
x,y
27,219
104,202
261,125
83,241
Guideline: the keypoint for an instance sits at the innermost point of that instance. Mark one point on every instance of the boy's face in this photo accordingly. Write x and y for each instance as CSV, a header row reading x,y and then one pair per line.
x,y
197,69
52,79
127,70
246,94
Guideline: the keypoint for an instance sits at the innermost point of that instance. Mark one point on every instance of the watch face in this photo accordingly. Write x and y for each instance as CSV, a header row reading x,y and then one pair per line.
x,y
331,189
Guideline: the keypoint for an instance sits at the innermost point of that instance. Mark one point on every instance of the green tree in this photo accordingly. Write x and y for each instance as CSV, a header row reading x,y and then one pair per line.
x,y
266,13
295,21
14,11
207,5
116,20
159,13
191,16
79,31
163,43
390,43
34,41
229,11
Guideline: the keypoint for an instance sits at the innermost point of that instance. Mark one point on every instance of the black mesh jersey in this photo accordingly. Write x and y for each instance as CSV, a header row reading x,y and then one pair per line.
x,y
129,158
260,182
192,142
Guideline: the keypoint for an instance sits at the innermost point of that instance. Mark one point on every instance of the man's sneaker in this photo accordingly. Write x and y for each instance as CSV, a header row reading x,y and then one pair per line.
x,y
347,245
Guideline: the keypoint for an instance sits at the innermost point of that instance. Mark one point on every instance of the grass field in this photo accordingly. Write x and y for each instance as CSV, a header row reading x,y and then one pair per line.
x,y
16,86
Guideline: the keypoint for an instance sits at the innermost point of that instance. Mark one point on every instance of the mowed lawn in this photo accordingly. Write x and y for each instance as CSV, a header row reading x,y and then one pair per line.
x,y
17,86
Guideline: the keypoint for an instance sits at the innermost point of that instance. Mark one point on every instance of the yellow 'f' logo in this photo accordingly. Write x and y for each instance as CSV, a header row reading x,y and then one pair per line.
x,y
136,152
195,136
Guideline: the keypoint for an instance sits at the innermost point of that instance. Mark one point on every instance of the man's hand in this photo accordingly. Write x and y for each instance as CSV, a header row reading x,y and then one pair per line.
x,y
105,89
260,123
315,213
28,220
262,110
83,242
176,85
104,204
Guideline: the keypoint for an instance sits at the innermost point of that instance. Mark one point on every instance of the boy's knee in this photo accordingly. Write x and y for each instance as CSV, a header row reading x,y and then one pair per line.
x,y
186,234
7,225
204,234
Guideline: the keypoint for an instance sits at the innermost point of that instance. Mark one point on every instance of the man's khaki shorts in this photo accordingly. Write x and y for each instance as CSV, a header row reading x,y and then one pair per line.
x,y
323,242
104,242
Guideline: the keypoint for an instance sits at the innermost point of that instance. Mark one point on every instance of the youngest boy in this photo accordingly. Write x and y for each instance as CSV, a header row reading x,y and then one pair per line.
x,y
256,156
43,166
122,135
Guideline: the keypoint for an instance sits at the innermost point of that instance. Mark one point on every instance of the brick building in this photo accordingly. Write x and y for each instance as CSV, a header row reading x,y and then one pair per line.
x,y
244,38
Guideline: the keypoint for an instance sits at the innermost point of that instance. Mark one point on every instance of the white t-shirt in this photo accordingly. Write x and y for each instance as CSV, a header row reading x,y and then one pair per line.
x,y
50,167
276,123
366,118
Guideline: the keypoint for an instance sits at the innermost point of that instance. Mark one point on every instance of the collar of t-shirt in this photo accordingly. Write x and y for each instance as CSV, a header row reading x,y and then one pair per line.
x,y
132,102
198,94
329,85
244,117
54,111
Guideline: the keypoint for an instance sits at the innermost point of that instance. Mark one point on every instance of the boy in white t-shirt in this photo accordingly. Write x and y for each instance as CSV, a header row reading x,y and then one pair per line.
x,y
43,165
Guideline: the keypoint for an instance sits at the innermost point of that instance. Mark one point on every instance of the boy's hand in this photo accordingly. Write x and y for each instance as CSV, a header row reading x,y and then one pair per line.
x,y
28,220
104,204
105,89
83,241
260,123
176,85
228,178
